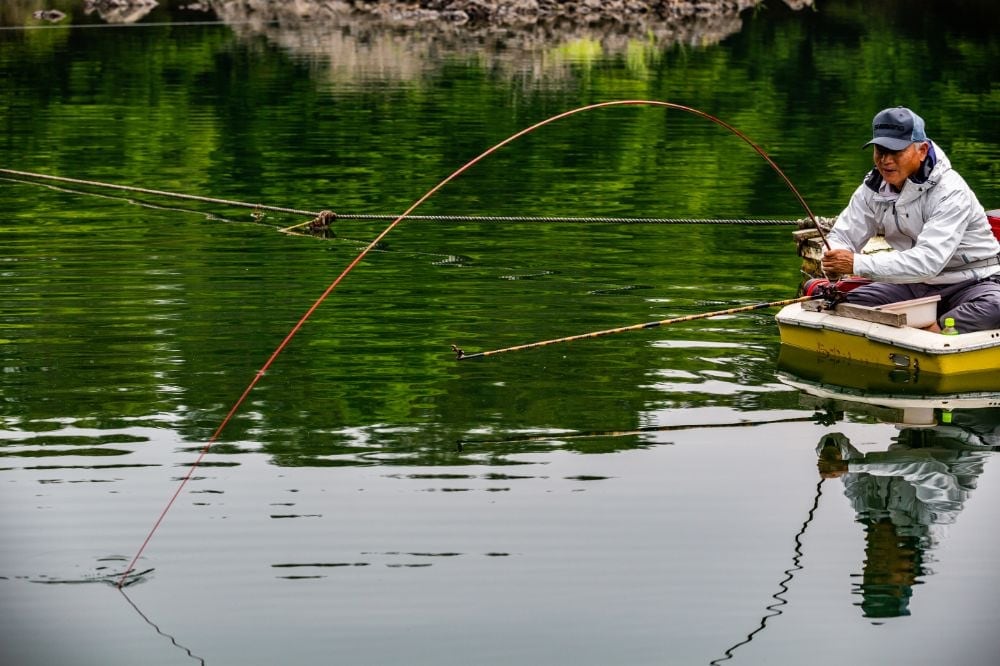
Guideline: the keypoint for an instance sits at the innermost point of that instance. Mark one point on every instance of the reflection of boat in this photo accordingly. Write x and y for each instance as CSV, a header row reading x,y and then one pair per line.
x,y
880,400
908,493
888,337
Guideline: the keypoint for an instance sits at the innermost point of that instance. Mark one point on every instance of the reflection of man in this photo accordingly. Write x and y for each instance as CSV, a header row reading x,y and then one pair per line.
x,y
905,496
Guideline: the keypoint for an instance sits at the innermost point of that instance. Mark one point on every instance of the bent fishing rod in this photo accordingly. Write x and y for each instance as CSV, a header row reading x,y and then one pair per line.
x,y
461,355
368,248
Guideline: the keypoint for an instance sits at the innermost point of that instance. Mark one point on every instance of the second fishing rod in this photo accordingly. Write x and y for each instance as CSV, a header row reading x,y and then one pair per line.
x,y
461,355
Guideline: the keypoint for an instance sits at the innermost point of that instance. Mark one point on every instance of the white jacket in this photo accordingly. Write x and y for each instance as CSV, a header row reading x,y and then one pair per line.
x,y
937,227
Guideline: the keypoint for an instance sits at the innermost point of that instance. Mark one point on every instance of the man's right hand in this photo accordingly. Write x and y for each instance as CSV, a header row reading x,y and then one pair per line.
x,y
837,263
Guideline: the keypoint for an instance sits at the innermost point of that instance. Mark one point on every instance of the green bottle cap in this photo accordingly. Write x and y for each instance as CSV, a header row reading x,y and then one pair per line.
x,y
945,416
949,322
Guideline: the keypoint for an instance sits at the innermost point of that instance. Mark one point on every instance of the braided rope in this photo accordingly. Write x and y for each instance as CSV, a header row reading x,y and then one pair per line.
x,y
391,216
579,220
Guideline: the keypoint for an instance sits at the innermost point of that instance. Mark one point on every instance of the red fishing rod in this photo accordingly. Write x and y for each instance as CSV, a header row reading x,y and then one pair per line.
x,y
364,252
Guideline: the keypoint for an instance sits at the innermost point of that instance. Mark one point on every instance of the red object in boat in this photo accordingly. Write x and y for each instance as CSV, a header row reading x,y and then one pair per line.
x,y
843,285
847,284
994,217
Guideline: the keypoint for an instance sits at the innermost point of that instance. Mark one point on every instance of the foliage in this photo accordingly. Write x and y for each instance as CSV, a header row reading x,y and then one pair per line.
x,y
130,313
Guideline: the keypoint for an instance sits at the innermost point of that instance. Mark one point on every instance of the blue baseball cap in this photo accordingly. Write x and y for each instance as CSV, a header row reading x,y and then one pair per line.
x,y
896,128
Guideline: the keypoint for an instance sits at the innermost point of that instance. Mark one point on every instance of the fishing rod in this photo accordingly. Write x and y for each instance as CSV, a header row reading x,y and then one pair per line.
x,y
461,355
592,434
364,252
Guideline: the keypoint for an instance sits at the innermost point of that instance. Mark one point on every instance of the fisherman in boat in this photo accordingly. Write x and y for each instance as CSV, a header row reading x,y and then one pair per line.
x,y
928,214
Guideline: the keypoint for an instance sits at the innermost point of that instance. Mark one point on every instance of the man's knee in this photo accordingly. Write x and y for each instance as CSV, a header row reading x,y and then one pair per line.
x,y
980,309
879,293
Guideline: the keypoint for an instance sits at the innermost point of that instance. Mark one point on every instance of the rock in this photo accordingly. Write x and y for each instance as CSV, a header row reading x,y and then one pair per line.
x,y
50,15
119,11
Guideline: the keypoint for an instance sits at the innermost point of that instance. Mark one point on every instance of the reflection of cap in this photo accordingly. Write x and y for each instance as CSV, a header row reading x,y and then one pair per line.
x,y
836,446
896,128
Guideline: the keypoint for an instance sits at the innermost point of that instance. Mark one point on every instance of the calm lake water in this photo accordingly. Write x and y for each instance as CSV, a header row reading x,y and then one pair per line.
x,y
652,497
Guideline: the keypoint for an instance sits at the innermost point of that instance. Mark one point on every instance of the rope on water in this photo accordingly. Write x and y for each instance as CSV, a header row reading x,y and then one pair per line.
x,y
322,219
579,220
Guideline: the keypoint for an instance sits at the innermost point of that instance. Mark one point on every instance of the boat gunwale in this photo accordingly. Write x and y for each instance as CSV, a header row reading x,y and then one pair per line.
x,y
926,342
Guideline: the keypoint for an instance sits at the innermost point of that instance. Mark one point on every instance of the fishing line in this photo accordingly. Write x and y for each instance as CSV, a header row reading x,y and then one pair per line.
x,y
169,637
592,434
364,252
142,204
159,193
158,24
775,609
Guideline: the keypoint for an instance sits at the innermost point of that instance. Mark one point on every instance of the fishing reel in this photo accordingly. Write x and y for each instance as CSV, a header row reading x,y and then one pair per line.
x,y
831,292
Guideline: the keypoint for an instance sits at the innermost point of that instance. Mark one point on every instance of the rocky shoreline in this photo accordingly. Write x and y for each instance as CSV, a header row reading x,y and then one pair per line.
x,y
470,14
531,11
500,13
399,39
526,39
491,26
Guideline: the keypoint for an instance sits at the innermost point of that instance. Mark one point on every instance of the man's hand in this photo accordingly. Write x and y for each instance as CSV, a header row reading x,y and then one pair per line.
x,y
837,263
831,469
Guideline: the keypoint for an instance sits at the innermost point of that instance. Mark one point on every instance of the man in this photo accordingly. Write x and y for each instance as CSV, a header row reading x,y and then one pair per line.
x,y
937,228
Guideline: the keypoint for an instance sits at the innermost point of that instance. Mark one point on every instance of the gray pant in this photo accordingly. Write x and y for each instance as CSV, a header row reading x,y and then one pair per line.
x,y
973,304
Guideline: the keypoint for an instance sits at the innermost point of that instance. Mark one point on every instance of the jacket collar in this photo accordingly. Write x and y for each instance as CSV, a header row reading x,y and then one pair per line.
x,y
929,172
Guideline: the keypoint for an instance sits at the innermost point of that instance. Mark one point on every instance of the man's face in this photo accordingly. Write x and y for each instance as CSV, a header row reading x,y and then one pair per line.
x,y
898,165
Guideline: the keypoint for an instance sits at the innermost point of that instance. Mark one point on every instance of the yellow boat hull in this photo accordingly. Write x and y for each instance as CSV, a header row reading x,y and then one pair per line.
x,y
969,361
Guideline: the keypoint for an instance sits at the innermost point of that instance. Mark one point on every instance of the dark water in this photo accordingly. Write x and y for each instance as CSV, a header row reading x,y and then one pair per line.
x,y
645,498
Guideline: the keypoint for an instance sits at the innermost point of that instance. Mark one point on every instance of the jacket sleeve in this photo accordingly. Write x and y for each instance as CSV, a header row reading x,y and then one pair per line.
x,y
938,492
937,242
855,225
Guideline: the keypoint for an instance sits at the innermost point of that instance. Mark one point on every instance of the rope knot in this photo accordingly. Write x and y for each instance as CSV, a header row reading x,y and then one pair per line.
x,y
320,225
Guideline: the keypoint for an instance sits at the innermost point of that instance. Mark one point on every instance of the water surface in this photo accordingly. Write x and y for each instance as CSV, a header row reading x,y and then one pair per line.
x,y
646,498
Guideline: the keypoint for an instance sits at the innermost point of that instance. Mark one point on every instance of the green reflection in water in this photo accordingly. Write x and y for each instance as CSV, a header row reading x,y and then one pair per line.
x,y
160,317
